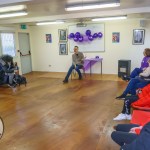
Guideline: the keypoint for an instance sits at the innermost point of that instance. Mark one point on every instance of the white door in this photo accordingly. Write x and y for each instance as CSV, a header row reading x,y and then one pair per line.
x,y
25,55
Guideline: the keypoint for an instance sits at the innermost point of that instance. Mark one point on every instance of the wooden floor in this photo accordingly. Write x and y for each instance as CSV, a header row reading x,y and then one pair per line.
x,y
49,115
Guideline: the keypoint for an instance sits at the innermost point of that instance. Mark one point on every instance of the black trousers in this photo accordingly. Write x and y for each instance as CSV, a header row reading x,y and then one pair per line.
x,y
122,136
127,102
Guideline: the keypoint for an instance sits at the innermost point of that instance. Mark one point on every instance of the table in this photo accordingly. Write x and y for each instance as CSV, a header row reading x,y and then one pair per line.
x,y
89,62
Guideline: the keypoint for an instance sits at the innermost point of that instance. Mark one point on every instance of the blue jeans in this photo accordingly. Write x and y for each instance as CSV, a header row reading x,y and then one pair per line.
x,y
135,72
134,84
78,67
122,135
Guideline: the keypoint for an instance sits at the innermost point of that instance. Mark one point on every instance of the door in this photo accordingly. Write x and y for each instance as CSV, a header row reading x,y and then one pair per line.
x,y
25,55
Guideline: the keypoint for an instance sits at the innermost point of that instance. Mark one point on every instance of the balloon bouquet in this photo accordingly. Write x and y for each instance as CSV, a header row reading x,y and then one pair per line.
x,y
78,37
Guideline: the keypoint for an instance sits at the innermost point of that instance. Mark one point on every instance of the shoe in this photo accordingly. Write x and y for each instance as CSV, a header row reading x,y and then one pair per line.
x,y
120,117
128,117
65,81
80,78
125,78
121,96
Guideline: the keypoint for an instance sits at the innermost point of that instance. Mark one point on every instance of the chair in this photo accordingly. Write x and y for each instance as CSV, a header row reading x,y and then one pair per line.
x,y
74,72
140,115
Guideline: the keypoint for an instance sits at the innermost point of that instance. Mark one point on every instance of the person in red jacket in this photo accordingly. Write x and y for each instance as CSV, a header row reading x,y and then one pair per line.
x,y
142,99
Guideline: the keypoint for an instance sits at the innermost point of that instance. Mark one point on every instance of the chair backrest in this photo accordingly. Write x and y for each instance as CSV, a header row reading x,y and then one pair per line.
x,y
140,117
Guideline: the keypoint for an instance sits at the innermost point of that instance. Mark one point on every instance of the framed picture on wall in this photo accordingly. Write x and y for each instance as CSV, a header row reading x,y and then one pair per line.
x,y
138,36
48,38
63,49
62,35
115,37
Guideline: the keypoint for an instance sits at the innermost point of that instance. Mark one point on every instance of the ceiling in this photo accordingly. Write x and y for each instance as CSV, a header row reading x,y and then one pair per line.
x,y
50,10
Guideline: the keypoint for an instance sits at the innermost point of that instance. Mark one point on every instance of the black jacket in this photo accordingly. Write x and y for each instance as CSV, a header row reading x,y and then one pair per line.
x,y
142,142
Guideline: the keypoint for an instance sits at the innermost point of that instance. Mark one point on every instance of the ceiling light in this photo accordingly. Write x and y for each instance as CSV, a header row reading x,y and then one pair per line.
x,y
110,18
49,23
92,5
12,8
13,14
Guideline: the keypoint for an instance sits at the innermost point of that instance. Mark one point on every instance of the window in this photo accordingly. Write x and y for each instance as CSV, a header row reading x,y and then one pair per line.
x,y
8,43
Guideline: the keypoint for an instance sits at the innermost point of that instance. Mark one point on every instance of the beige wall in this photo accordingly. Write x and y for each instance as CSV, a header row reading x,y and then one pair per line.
x,y
45,54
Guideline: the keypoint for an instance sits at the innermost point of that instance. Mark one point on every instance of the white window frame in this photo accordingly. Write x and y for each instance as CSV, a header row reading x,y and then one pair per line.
x,y
2,51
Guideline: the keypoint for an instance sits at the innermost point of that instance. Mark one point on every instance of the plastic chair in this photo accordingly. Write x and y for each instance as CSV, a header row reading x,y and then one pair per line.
x,y
140,115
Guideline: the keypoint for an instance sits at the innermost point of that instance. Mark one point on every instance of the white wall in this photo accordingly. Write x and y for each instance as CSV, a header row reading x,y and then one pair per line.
x,y
16,29
45,54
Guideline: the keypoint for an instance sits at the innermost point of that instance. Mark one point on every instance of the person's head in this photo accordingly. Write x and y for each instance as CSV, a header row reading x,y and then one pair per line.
x,y
147,52
76,49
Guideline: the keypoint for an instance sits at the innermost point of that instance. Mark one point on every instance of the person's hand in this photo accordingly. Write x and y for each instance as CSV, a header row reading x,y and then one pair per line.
x,y
144,68
133,130
138,91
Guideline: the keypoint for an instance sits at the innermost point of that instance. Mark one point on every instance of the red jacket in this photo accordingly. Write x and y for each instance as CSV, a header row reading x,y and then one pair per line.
x,y
144,98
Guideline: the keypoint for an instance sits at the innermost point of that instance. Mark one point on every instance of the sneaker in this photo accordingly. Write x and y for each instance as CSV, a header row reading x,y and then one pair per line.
x,y
65,81
120,117
121,96
80,78
128,117
125,78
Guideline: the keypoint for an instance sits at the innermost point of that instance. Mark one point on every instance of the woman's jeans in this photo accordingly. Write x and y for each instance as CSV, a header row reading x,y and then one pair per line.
x,y
134,84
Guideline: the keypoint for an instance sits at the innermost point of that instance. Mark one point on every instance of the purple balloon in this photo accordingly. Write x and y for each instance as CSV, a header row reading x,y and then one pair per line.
x,y
75,39
88,32
80,38
71,35
95,35
77,34
90,38
85,38
100,34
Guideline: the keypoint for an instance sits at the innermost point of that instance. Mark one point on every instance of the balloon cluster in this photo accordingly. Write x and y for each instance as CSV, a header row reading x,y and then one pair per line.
x,y
78,37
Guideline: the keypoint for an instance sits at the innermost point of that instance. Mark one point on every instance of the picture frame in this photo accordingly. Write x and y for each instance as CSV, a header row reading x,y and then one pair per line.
x,y
115,37
138,36
63,49
48,38
62,35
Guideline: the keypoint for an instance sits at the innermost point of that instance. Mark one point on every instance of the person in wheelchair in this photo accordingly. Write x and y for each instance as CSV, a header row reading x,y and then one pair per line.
x,y
7,70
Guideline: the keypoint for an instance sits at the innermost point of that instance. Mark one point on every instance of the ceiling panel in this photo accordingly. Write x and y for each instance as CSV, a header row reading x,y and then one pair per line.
x,y
40,10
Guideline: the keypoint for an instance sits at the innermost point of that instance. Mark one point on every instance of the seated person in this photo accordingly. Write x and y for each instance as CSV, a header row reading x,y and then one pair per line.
x,y
132,136
142,99
144,65
138,82
77,64
7,67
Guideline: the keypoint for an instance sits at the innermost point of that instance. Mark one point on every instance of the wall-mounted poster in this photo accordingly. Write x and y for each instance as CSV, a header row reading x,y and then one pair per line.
x,y
115,37
138,36
62,35
48,38
63,49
